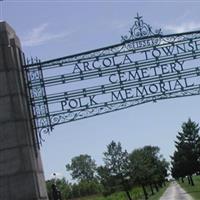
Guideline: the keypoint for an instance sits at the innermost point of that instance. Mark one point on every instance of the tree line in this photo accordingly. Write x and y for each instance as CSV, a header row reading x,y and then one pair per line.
x,y
121,171
186,157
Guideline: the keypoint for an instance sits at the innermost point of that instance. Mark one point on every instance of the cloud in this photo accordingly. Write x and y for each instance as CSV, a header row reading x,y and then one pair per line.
x,y
40,35
184,27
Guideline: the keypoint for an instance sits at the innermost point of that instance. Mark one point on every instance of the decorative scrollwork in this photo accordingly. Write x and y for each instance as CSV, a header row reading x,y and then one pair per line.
x,y
40,110
36,92
77,115
140,30
141,37
41,133
176,38
33,75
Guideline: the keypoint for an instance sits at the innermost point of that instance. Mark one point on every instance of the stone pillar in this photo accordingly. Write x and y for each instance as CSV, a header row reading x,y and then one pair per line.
x,y
21,171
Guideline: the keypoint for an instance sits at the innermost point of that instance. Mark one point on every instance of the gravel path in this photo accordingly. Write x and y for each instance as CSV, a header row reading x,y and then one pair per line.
x,y
175,192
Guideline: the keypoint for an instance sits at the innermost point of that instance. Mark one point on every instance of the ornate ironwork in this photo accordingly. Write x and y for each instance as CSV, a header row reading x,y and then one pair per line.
x,y
146,66
140,30
68,117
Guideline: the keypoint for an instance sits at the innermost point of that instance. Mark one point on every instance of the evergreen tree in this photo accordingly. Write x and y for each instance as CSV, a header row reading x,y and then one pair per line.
x,y
185,161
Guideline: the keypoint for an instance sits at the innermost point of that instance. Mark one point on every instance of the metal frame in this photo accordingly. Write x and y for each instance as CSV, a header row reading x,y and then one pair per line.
x,y
141,38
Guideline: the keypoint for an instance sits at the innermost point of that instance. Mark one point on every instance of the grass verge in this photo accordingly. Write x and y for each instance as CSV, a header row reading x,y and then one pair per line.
x,y
194,191
157,195
136,194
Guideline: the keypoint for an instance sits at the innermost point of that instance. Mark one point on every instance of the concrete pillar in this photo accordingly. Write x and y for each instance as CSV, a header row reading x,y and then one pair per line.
x,y
21,171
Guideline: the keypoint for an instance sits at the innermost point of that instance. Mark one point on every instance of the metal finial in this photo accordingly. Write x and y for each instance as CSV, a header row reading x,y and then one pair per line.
x,y
140,30
138,17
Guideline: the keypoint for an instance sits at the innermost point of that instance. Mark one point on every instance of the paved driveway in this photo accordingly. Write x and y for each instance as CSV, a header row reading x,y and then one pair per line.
x,y
175,192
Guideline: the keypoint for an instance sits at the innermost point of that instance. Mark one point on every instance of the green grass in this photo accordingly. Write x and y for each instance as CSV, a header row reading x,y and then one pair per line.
x,y
136,194
194,191
159,194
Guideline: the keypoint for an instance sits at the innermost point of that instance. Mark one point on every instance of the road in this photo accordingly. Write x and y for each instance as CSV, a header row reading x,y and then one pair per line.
x,y
175,192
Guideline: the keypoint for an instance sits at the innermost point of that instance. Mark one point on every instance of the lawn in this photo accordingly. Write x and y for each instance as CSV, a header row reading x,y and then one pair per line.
x,y
194,191
136,194
157,195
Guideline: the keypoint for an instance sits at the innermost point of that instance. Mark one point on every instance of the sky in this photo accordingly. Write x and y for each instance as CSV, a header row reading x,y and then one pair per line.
x,y
52,29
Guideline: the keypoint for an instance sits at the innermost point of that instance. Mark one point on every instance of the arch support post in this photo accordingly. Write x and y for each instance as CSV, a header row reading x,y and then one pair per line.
x,y
21,171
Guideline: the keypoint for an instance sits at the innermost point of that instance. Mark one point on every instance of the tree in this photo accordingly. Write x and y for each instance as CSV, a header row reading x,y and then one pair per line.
x,y
177,161
148,167
82,168
63,186
116,172
185,161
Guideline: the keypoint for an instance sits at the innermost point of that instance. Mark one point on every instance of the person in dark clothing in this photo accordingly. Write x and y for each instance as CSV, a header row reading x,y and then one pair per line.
x,y
56,192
